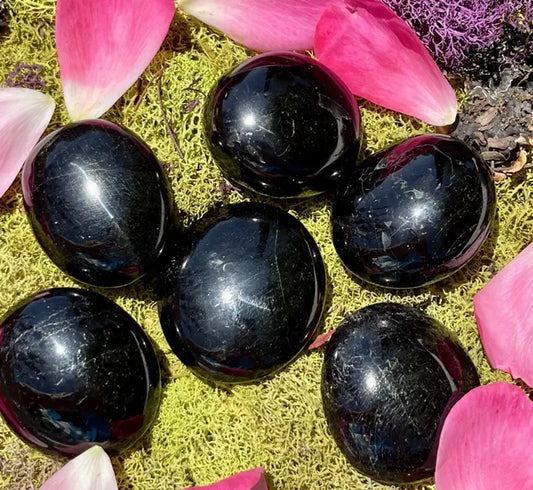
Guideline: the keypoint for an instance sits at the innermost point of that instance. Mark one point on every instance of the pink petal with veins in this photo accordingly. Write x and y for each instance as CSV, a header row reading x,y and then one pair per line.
x,y
104,46
24,115
380,59
504,314
486,442
247,480
262,25
91,470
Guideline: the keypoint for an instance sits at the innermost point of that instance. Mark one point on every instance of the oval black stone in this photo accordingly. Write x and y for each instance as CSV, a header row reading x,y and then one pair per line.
x,y
246,297
414,213
283,125
98,203
391,375
76,370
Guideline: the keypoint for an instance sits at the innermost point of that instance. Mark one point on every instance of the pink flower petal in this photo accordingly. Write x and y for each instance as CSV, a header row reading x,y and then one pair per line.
x,y
104,46
380,58
91,470
24,115
486,442
262,25
321,340
504,314
247,480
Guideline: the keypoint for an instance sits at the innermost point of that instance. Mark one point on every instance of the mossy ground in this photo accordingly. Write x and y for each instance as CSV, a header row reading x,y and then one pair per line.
x,y
202,433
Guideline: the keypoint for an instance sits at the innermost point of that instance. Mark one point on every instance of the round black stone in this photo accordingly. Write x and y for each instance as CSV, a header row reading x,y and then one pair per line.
x,y
414,213
283,125
246,297
98,203
76,370
391,375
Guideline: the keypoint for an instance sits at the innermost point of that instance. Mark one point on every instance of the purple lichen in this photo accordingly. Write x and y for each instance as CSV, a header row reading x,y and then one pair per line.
x,y
27,76
225,188
453,30
490,43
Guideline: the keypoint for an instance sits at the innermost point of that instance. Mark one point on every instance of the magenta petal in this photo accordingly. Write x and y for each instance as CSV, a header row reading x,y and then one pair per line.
x,y
104,46
504,314
247,480
380,58
486,442
24,115
91,470
262,25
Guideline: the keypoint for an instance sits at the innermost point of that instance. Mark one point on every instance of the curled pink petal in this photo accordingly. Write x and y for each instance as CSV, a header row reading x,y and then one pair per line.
x,y
262,25
247,480
104,46
91,470
504,314
321,340
24,115
380,58
487,441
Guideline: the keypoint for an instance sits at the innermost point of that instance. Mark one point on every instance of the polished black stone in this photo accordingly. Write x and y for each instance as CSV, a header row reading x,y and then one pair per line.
x,y
246,296
3,16
391,374
414,213
283,125
98,202
76,370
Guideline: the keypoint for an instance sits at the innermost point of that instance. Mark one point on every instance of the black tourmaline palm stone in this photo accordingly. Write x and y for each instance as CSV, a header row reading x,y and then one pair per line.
x,y
75,371
391,375
414,213
3,16
98,203
245,297
283,125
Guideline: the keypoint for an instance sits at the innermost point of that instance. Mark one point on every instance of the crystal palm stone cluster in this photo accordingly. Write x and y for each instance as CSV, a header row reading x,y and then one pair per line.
x,y
244,288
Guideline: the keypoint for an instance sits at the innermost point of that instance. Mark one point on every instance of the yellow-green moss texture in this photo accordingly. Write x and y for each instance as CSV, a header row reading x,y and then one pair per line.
x,y
203,434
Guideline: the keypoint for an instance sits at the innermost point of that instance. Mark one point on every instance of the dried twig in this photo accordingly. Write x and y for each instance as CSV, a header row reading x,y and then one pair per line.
x,y
157,76
139,91
170,130
191,105
191,86
225,187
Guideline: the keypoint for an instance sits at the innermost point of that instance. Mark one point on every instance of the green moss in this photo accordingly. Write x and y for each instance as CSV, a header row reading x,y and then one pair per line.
x,y
204,434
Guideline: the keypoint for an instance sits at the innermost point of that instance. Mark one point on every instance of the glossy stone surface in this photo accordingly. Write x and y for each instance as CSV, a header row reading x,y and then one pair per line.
x,y
3,16
76,370
283,125
391,374
246,296
414,213
98,203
